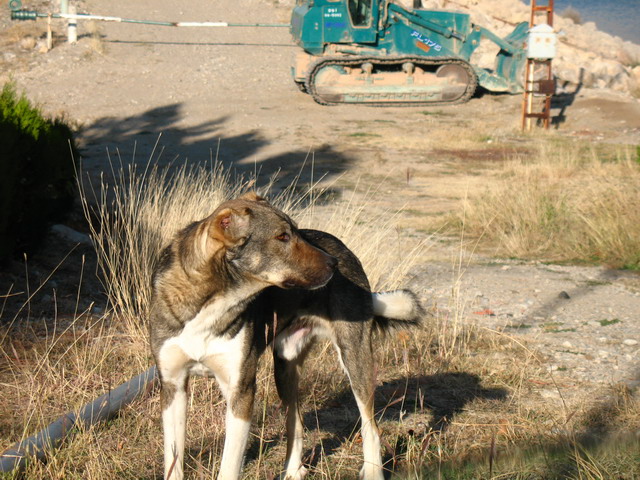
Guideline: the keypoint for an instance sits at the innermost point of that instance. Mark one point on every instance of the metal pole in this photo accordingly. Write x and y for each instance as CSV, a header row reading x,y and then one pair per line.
x,y
32,15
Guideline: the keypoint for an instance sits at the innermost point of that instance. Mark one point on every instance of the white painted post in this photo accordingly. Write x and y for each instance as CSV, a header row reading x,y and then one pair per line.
x,y
64,6
72,28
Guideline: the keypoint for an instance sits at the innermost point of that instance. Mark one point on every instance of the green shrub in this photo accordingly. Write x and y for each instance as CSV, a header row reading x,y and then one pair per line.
x,y
37,173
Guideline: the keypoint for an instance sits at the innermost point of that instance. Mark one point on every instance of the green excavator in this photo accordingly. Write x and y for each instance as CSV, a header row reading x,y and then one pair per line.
x,y
375,52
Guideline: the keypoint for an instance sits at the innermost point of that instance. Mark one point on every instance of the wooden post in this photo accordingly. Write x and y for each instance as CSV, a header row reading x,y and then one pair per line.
x,y
49,34
540,51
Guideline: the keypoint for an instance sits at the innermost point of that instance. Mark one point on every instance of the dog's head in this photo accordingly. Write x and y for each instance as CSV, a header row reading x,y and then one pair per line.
x,y
261,242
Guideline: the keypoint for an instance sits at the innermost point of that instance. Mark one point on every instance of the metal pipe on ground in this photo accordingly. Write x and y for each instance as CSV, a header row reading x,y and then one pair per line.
x,y
100,410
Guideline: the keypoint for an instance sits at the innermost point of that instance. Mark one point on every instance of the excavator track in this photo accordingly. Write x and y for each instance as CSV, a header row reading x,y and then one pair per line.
x,y
390,81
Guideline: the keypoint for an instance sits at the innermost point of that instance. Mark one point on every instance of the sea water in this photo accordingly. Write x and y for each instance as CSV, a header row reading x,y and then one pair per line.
x,y
617,17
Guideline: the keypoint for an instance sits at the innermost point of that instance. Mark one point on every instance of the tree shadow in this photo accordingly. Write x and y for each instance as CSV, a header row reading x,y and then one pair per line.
x,y
159,136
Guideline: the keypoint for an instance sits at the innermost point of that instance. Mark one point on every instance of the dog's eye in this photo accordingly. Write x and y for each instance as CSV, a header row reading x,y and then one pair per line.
x,y
283,237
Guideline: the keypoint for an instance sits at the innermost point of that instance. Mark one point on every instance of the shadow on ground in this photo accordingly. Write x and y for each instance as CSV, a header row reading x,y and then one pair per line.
x,y
443,395
160,136
554,305
564,100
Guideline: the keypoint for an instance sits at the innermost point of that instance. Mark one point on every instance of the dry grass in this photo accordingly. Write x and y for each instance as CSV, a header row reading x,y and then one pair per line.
x,y
447,393
565,204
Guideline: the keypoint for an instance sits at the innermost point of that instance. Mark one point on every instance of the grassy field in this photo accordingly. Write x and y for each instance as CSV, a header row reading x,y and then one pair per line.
x,y
451,401
565,203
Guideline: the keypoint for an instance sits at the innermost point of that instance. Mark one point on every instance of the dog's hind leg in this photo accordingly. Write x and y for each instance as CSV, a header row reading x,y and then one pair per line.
x,y
356,356
287,374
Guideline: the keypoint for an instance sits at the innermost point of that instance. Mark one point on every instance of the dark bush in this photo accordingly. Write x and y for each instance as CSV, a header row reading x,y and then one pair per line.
x,y
37,173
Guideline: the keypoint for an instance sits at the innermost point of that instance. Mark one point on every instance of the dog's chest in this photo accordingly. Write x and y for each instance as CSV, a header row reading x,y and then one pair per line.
x,y
199,339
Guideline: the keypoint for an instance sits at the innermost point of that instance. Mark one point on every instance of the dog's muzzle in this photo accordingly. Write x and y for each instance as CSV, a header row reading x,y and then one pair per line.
x,y
317,276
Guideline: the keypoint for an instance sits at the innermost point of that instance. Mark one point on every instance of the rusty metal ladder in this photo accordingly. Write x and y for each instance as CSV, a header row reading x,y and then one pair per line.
x,y
545,84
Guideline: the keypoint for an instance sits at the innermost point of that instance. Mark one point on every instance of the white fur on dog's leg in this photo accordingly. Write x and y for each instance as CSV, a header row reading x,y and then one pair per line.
x,y
372,468
174,427
173,362
235,442
299,474
294,470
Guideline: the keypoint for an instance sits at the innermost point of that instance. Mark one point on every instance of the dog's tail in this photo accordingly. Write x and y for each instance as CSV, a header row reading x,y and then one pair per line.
x,y
396,309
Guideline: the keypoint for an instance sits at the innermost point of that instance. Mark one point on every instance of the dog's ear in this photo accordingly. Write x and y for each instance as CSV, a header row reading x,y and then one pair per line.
x,y
231,226
252,197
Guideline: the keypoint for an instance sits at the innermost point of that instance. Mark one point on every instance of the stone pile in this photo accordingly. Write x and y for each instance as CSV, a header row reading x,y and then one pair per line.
x,y
586,55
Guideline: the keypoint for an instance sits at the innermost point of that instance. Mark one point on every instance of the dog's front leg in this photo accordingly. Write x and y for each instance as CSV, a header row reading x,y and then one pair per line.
x,y
174,376
238,421
235,442
239,392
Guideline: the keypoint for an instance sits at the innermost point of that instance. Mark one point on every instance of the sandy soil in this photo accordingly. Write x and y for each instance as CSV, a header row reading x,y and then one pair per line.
x,y
227,93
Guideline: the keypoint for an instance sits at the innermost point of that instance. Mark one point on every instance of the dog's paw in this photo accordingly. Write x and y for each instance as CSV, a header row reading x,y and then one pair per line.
x,y
299,474
371,472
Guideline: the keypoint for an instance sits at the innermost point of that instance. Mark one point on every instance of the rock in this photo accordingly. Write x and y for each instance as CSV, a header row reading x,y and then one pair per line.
x,y
71,235
28,42
630,342
634,78
564,295
548,393
585,55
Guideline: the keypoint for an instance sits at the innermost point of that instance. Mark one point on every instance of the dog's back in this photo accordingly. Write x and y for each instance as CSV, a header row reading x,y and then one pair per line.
x,y
347,297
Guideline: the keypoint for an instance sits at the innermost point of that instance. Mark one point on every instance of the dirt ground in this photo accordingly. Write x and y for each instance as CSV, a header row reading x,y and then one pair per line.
x,y
198,94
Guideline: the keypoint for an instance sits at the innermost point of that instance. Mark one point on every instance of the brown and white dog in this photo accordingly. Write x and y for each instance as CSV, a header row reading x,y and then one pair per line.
x,y
244,270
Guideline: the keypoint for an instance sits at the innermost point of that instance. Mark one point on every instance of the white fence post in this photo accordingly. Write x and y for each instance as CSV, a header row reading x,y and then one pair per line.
x,y
72,26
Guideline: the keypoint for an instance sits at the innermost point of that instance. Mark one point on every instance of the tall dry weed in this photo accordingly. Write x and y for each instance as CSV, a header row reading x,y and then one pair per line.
x,y
563,205
135,217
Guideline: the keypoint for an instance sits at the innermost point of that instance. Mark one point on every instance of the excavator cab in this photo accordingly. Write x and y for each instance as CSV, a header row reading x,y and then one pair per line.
x,y
318,23
360,13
